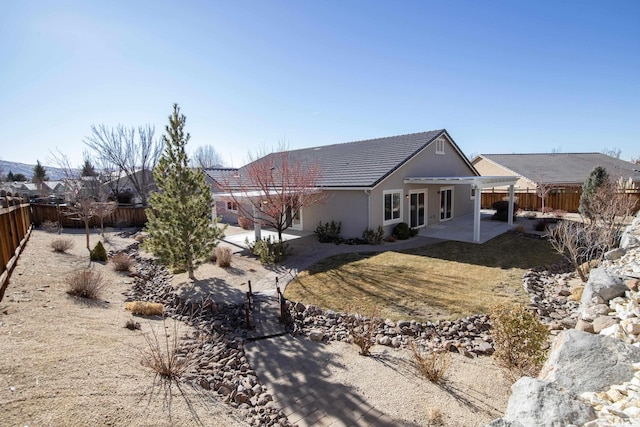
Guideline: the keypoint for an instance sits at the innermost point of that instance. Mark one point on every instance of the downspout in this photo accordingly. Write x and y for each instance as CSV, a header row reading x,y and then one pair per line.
x,y
368,193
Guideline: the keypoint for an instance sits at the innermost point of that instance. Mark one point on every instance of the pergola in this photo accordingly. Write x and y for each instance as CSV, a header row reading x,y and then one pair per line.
x,y
477,182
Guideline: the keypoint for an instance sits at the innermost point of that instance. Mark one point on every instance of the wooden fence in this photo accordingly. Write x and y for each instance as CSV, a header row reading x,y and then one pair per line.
x,y
123,216
567,200
15,229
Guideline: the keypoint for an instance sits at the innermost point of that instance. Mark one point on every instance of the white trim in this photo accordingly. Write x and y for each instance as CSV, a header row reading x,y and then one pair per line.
x,y
298,226
400,206
231,203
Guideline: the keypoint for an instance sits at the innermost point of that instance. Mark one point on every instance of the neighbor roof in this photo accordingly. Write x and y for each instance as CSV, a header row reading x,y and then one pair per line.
x,y
562,168
363,163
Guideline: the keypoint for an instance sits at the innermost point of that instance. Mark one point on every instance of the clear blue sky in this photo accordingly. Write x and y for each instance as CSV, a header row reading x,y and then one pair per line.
x,y
500,76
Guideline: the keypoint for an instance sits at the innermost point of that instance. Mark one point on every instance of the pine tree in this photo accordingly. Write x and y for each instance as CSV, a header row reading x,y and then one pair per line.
x,y
88,169
180,232
39,173
595,180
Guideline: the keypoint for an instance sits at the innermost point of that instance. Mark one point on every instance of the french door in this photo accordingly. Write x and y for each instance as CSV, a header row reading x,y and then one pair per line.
x,y
446,203
417,208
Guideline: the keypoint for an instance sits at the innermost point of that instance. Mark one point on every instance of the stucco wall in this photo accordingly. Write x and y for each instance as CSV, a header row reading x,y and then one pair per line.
x,y
347,206
488,168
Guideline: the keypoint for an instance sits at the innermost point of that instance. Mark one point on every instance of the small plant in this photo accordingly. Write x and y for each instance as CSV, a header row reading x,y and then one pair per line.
x,y
402,231
521,229
132,325
50,226
431,364
541,224
502,210
98,253
329,232
520,339
61,245
85,284
373,237
434,417
122,262
166,358
268,251
363,330
223,256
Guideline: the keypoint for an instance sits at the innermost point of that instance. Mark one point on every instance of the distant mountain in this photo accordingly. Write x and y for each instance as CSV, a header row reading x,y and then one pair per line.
x,y
54,174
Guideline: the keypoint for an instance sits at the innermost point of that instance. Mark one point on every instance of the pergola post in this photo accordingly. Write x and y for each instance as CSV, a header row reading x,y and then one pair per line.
x,y
511,197
256,224
476,214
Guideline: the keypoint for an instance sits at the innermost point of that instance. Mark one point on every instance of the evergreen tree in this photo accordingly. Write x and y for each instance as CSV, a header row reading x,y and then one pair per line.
x,y
11,177
180,232
88,169
596,179
39,173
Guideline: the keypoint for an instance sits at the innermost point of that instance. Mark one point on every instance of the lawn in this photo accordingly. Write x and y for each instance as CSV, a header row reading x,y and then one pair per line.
x,y
447,280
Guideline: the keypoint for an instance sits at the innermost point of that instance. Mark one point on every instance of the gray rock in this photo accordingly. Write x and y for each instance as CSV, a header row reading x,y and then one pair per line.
x,y
614,254
299,307
500,422
585,326
576,355
539,403
603,286
384,340
316,335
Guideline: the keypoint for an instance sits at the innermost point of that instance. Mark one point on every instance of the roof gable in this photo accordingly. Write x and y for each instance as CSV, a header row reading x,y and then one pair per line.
x,y
563,168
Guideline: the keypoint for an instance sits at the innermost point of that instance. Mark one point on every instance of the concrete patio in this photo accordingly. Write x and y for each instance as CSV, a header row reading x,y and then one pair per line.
x,y
461,228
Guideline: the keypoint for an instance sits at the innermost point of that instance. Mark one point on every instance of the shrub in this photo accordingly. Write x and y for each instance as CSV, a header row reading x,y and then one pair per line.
x,y
166,358
244,223
541,224
132,325
363,330
502,210
329,232
434,417
373,237
223,256
98,253
144,308
268,251
50,226
61,245
122,262
519,338
521,229
431,364
85,284
402,231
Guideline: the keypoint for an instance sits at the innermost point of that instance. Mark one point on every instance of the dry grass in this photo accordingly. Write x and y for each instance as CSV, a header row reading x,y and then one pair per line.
x,y
122,262
431,364
85,284
447,280
363,329
145,308
223,256
61,245
163,355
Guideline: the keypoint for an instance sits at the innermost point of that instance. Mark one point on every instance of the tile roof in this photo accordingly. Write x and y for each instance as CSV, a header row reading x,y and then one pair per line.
x,y
563,168
361,163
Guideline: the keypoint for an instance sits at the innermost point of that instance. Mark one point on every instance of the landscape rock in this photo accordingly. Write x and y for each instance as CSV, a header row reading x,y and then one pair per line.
x,y
602,285
535,403
603,322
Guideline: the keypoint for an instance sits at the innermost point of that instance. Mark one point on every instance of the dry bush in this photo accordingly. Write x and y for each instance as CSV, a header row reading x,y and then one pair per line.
x,y
521,229
431,364
85,283
363,330
164,357
223,256
122,262
61,245
50,226
144,308
519,338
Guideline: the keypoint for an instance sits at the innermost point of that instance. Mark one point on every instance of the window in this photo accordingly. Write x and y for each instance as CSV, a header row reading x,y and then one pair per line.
x,y
392,206
232,206
439,146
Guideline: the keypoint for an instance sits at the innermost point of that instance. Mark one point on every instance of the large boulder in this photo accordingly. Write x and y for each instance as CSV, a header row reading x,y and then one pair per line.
x,y
630,235
581,362
603,286
535,402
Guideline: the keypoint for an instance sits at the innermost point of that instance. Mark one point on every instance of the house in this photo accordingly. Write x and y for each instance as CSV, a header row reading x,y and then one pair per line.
x,y
564,173
421,179
227,210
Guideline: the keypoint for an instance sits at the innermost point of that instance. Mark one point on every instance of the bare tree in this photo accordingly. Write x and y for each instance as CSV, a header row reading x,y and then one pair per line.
x,y
130,151
612,152
542,189
206,157
610,205
273,189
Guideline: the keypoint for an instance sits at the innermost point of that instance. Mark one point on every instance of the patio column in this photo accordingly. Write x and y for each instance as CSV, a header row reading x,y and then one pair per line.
x,y
476,214
511,196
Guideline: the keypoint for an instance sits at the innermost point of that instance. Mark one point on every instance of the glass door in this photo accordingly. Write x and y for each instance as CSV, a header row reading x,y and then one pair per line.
x,y
417,209
446,203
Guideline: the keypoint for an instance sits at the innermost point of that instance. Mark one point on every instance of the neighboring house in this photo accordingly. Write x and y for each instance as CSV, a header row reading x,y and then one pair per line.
x,y
124,189
421,179
227,210
564,173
